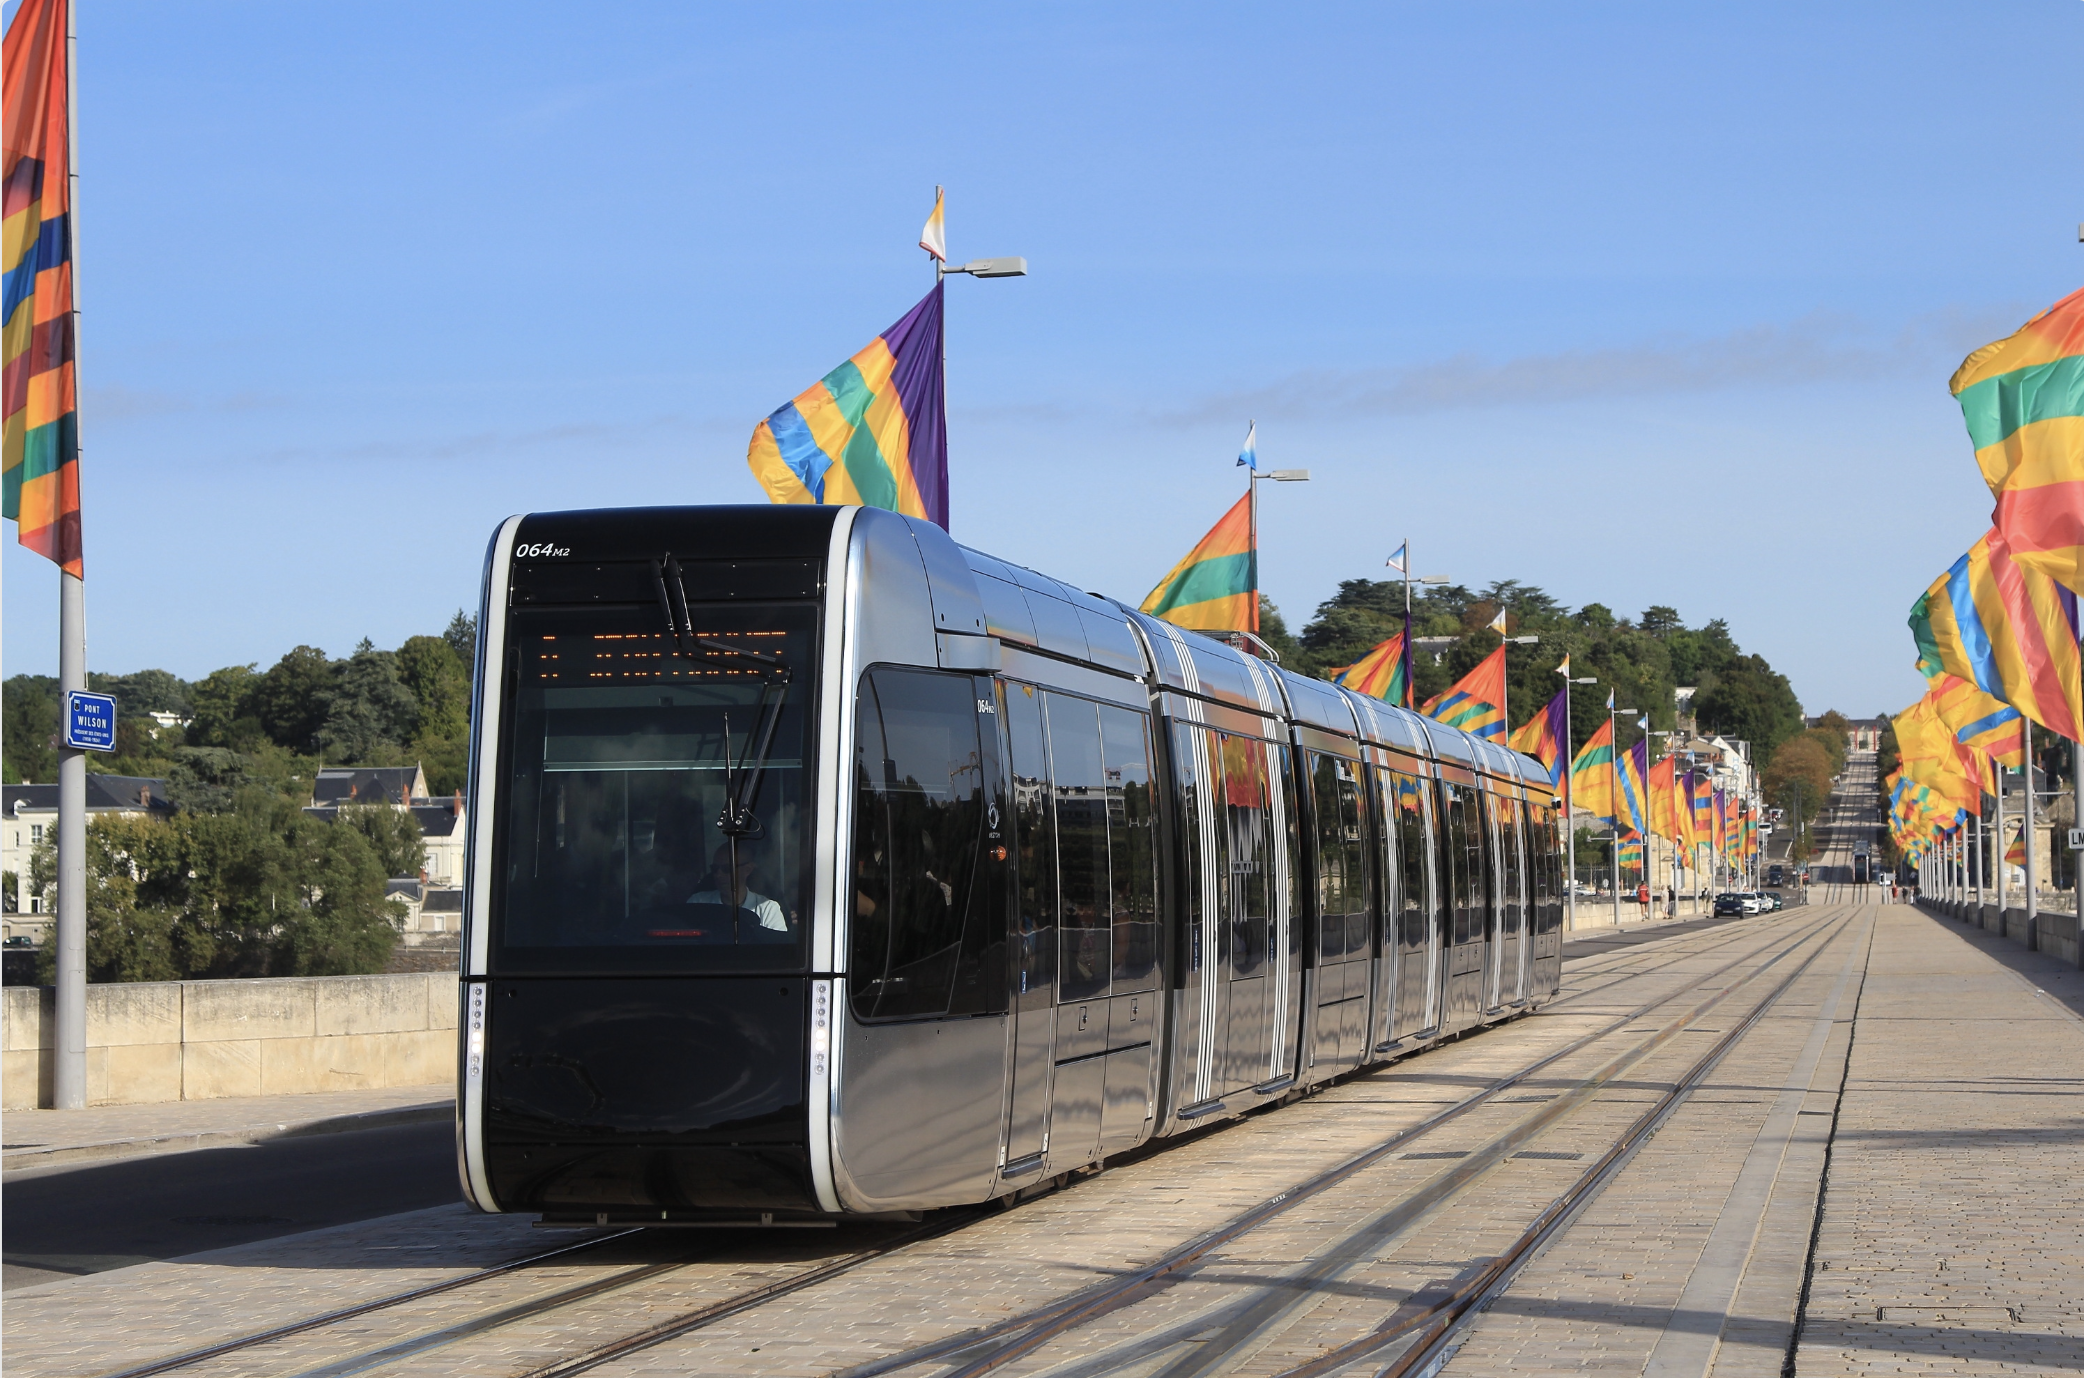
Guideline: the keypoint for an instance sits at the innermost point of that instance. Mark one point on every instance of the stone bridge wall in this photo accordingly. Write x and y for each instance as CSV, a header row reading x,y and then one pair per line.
x,y
195,1040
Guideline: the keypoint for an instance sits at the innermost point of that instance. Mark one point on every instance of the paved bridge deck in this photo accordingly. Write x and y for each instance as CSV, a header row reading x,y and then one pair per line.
x,y
1926,1076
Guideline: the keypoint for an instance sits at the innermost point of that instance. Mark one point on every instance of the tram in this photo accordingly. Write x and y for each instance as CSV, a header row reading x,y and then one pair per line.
x,y
820,866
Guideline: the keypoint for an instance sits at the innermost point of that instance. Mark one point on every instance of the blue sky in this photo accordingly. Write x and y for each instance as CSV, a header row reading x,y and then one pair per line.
x,y
1639,303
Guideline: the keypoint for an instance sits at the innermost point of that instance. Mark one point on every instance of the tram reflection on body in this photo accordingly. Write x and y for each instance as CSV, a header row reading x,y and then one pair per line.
x,y
821,866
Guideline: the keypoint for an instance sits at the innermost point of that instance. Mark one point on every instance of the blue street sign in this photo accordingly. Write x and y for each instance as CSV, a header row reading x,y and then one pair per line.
x,y
90,722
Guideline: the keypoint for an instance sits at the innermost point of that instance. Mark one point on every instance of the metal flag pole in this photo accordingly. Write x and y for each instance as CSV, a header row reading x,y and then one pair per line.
x,y
1998,795
2033,873
1613,797
69,1063
1569,825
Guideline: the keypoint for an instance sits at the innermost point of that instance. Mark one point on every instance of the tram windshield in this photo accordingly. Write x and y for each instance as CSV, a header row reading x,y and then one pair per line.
x,y
632,752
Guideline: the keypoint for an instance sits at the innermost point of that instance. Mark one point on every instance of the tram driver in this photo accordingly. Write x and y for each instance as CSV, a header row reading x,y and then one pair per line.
x,y
767,915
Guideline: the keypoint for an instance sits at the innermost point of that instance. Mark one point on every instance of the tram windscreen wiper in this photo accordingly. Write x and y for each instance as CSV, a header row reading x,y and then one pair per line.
x,y
742,777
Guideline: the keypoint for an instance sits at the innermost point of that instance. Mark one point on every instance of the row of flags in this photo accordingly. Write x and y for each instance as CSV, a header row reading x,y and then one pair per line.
x,y
1997,634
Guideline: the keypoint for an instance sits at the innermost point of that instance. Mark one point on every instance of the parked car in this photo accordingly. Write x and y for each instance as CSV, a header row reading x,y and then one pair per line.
x,y
1731,904
1775,899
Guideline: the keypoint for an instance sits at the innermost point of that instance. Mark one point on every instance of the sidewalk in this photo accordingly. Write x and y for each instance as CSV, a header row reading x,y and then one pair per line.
x,y
43,1138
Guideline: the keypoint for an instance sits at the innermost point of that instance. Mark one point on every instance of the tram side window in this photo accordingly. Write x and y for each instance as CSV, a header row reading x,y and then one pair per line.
x,y
1131,846
1509,868
1198,761
919,780
1549,845
1405,803
1078,776
1034,817
1342,858
1248,822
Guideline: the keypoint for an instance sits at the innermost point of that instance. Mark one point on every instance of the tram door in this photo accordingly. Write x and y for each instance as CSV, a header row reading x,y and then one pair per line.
x,y
1034,942
1415,908
1465,867
1508,977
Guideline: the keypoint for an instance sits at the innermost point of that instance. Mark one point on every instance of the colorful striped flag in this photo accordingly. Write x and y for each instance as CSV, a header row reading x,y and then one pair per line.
x,y
2009,630
2016,853
1663,783
2023,400
1632,851
1383,673
1634,795
1544,735
1216,587
1475,702
40,439
1592,775
1682,815
1704,795
871,433
1979,721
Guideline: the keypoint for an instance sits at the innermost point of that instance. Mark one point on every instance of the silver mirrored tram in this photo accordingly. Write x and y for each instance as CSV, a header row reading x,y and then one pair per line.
x,y
820,865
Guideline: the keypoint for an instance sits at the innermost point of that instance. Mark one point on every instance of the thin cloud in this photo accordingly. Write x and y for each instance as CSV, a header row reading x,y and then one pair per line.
x,y
1814,349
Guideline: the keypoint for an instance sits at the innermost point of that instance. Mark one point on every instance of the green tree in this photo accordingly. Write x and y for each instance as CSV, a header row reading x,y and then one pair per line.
x,y
1749,700
1799,764
292,699
393,835
440,685
222,709
29,729
369,713
462,636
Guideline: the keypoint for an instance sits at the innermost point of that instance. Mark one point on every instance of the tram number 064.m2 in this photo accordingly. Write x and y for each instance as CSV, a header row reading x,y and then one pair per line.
x,y
538,549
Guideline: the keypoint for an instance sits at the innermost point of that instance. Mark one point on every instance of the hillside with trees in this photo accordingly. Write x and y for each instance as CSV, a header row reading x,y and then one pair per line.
x,y
1644,660
240,881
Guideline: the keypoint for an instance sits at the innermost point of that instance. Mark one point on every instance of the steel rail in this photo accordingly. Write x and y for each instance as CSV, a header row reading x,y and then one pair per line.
x,y
1444,1316
1024,1333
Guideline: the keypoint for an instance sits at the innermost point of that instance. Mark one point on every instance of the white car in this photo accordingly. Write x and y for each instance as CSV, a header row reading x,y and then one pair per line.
x,y
1755,904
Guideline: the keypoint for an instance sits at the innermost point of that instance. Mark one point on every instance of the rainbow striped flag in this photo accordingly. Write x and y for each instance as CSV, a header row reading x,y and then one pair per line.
x,y
1216,587
1682,814
1634,766
1663,784
1978,721
1632,850
871,433
1384,673
1592,775
40,439
2009,630
1704,797
2016,853
2023,400
1545,736
1474,703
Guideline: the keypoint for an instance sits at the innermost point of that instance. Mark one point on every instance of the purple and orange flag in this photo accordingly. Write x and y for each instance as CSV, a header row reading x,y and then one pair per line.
x,y
1475,702
1543,735
1383,673
871,433
40,459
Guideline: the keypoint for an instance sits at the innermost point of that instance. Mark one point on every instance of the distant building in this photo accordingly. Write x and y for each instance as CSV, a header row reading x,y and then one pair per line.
x,y
443,831
1861,734
29,816
396,785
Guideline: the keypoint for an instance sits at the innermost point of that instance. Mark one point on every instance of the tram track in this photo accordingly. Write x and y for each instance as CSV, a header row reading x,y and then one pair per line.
x,y
1756,939
1212,1338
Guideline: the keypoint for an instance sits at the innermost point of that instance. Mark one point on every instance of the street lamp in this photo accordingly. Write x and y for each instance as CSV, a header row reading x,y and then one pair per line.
x,y
1015,267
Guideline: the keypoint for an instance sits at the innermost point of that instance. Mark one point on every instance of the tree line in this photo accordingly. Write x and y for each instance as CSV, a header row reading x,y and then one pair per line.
x,y
239,881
